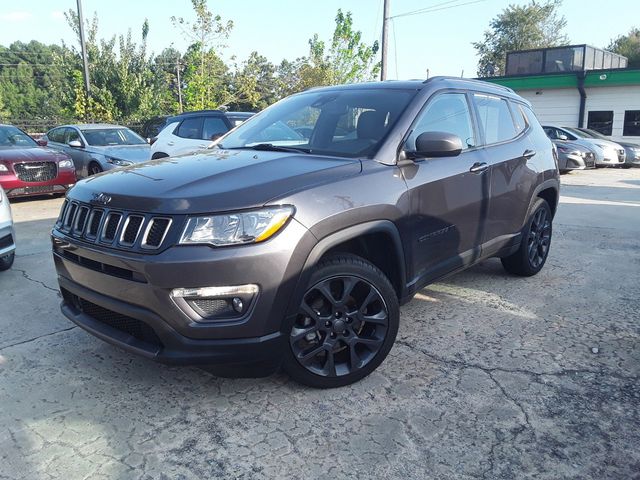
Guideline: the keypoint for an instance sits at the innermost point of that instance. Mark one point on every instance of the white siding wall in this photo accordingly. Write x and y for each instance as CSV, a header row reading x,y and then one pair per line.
x,y
560,106
617,99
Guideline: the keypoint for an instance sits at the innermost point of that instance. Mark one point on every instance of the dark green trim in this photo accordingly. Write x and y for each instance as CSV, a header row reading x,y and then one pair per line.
x,y
569,80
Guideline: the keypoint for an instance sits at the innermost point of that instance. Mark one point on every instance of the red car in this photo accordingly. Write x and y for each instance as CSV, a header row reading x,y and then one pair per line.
x,y
26,168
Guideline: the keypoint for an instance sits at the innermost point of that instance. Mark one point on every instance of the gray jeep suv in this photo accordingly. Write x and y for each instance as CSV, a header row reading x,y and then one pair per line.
x,y
294,241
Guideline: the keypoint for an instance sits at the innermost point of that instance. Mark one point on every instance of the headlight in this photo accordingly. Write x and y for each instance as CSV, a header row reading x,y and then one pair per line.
x,y
65,164
236,228
119,163
3,168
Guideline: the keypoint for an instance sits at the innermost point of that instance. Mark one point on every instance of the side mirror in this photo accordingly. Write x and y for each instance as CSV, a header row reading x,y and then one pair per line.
x,y
75,144
563,137
42,142
436,144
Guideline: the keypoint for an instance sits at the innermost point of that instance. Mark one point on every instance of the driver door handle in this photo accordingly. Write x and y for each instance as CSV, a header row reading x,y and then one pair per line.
x,y
478,167
528,154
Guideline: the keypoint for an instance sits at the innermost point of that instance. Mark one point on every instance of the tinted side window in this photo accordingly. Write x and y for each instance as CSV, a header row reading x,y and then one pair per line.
x,y
519,117
56,135
190,128
70,135
213,127
495,118
448,112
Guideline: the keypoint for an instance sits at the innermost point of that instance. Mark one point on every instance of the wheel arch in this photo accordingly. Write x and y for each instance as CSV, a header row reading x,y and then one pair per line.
x,y
364,240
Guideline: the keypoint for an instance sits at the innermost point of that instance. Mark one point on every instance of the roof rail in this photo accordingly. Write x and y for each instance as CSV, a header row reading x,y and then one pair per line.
x,y
469,80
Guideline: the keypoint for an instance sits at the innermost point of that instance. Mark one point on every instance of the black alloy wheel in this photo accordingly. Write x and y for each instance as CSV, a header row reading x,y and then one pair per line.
x,y
535,244
346,324
94,169
539,238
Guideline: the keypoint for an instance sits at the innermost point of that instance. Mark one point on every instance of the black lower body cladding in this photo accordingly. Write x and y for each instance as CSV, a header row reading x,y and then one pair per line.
x,y
128,299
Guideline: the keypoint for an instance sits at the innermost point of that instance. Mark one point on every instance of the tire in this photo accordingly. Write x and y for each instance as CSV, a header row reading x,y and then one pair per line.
x,y
535,244
94,168
158,155
346,325
7,261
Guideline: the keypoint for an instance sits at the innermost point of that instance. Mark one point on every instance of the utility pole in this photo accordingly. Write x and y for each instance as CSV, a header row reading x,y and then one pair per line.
x,y
179,83
385,39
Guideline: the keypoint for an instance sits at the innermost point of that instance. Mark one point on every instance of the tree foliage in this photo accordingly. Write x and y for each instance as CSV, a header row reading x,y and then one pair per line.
x,y
129,84
629,46
519,27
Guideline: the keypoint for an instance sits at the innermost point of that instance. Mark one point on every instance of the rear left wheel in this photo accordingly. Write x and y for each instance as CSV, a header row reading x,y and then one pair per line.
x,y
535,243
346,324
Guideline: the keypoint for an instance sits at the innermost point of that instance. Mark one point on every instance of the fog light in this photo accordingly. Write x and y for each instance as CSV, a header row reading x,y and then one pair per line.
x,y
238,306
215,303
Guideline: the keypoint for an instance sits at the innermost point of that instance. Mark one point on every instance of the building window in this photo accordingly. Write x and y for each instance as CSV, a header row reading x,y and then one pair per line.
x,y
631,123
601,121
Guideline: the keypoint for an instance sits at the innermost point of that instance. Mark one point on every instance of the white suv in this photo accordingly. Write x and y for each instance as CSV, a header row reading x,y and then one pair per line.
x,y
190,132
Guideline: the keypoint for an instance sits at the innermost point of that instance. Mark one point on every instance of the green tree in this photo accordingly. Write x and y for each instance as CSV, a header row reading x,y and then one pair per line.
x,y
255,85
629,46
347,59
519,27
207,78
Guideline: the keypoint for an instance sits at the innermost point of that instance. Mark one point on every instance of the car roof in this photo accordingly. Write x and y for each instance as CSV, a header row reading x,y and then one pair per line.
x,y
93,126
439,81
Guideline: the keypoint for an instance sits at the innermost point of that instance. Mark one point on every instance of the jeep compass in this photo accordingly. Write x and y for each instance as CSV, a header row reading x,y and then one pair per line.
x,y
293,241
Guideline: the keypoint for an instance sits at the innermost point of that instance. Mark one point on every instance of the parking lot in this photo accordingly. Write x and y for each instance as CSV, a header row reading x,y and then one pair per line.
x,y
492,376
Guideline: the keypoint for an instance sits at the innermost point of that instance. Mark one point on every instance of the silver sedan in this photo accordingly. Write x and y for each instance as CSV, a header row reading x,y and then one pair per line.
x,y
7,235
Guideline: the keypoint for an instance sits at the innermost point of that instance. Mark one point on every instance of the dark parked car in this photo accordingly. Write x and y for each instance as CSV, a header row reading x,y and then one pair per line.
x,y
28,168
97,147
572,156
298,253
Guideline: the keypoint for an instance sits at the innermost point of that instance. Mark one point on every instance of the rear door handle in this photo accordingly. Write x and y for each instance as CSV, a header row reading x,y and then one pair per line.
x,y
171,144
478,167
528,154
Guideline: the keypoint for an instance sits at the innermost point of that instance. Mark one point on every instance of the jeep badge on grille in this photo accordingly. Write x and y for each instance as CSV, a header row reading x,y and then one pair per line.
x,y
101,198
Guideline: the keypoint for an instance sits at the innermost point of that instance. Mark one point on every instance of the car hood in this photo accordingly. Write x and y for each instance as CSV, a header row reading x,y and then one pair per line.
x,y
133,153
213,180
597,141
30,154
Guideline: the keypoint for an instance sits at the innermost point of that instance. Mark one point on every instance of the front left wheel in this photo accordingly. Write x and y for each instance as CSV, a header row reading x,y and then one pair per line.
x,y
346,324
7,261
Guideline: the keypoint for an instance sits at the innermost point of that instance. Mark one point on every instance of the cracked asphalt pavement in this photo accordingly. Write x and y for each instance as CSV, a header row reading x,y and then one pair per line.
x,y
492,376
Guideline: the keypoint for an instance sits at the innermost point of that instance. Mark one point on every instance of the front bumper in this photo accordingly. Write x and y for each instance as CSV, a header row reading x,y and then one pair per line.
x,y
14,187
7,238
124,297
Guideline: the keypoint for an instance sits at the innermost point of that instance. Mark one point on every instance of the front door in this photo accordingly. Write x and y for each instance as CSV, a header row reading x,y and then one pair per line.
x,y
448,196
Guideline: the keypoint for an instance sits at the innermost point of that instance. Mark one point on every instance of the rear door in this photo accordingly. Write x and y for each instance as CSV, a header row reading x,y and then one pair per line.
x,y
55,138
511,156
448,196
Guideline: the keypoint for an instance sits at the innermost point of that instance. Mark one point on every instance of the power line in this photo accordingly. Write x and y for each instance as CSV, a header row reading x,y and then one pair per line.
x,y
434,9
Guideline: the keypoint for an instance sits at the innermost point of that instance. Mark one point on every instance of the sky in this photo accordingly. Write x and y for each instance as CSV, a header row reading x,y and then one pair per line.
x,y
437,42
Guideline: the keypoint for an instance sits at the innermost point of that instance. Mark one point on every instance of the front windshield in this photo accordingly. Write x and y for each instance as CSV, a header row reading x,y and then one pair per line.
x,y
593,134
14,137
106,137
578,133
344,123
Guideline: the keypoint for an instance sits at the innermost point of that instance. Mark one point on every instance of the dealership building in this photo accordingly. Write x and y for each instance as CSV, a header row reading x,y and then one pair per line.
x,y
578,86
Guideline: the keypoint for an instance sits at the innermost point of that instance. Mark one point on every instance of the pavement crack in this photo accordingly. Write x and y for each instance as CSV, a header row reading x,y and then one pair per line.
x,y
26,275
37,338
522,371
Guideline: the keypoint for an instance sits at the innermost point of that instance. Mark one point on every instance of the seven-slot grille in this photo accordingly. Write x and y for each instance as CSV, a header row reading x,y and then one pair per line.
x,y
113,227
36,171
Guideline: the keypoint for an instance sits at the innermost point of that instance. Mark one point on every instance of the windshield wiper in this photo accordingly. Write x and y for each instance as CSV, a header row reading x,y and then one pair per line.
x,y
270,147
